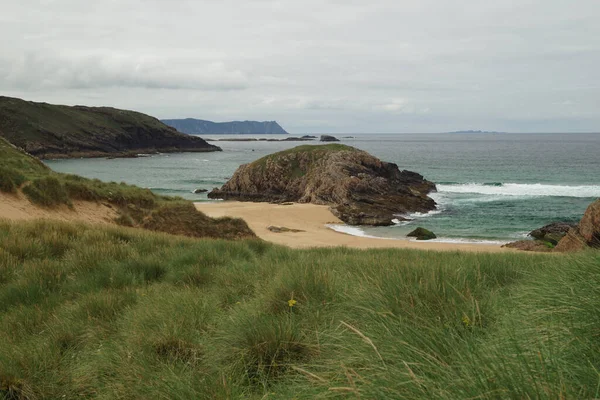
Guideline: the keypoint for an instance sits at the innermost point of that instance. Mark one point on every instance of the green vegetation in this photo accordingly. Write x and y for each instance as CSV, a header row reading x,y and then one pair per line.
x,y
136,207
123,313
308,153
54,131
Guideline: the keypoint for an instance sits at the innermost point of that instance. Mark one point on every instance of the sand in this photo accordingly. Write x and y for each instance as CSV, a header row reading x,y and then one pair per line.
x,y
312,219
16,207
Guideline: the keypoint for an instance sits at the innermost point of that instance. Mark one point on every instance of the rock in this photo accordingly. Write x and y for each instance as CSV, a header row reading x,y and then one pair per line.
x,y
281,229
422,234
553,232
329,138
586,234
308,137
200,191
530,245
361,189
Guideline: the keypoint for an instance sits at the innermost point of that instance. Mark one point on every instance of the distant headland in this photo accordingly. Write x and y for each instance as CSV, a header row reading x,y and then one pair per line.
x,y
198,127
473,131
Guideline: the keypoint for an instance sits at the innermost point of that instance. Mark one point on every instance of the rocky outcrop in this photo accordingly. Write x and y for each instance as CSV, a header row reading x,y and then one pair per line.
x,y
586,234
361,189
422,234
553,232
530,245
55,131
329,138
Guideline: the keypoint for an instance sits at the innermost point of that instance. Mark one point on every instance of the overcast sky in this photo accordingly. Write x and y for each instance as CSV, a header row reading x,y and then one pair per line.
x,y
315,65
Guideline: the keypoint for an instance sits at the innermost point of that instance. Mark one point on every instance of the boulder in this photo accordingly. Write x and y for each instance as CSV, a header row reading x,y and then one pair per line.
x,y
422,234
586,234
329,138
530,245
200,191
359,188
553,232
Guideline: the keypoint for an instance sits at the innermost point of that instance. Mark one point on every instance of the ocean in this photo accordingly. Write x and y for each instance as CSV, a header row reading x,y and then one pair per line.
x,y
491,187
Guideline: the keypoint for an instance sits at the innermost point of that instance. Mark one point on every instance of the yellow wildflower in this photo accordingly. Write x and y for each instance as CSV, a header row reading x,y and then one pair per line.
x,y
466,320
292,302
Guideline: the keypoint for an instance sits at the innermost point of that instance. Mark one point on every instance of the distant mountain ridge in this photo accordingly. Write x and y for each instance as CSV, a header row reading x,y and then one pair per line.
x,y
57,131
194,126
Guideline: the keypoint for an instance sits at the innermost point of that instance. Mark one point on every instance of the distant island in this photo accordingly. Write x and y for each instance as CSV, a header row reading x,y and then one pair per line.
x,y
57,131
472,131
200,127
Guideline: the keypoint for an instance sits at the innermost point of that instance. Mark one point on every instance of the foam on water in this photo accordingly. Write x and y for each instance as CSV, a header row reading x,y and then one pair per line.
x,y
522,189
356,231
352,230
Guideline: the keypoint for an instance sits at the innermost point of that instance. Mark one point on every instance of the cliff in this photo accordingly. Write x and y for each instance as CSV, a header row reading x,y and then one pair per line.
x,y
361,189
197,127
56,131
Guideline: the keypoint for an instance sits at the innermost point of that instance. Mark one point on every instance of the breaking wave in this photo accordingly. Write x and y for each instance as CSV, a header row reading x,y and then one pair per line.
x,y
521,189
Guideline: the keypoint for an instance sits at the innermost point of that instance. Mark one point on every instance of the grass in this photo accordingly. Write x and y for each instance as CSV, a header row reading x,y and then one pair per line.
x,y
290,160
115,312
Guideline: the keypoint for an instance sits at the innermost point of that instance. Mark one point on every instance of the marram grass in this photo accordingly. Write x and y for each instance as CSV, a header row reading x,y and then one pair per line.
x,y
107,313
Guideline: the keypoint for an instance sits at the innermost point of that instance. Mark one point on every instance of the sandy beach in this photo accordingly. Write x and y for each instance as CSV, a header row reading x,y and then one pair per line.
x,y
312,220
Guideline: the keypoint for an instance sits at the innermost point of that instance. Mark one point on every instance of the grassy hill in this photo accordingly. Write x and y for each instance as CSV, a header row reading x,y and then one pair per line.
x,y
104,313
135,206
56,131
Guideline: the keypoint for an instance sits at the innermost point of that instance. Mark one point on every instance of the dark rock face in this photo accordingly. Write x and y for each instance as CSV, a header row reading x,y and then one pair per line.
x,y
422,234
54,131
586,234
329,138
553,232
361,189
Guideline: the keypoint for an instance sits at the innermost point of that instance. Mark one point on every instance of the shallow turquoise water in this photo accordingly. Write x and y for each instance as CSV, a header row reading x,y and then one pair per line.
x,y
490,186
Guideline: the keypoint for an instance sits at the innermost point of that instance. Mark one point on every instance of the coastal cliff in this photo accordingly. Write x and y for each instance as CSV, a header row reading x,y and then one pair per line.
x,y
198,127
56,131
361,189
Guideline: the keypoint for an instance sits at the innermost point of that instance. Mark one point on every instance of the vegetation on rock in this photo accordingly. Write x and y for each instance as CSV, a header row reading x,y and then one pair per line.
x,y
422,234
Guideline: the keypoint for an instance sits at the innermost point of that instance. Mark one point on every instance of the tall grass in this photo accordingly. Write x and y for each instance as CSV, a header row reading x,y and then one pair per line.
x,y
122,313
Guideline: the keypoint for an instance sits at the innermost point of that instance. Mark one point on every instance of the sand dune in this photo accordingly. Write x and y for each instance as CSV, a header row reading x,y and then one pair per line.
x,y
16,207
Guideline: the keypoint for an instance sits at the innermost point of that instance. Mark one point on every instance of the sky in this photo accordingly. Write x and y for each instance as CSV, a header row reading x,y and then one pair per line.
x,y
339,66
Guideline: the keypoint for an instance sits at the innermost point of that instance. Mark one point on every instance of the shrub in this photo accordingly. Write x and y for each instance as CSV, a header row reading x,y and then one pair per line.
x,y
10,180
47,192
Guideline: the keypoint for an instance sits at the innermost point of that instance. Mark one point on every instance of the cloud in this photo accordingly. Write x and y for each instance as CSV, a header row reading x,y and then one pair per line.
x,y
315,65
44,71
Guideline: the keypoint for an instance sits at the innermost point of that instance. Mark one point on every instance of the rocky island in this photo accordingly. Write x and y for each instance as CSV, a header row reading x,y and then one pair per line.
x,y
57,131
359,188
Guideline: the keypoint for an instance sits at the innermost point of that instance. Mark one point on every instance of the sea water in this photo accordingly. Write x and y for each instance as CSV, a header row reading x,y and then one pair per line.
x,y
491,187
